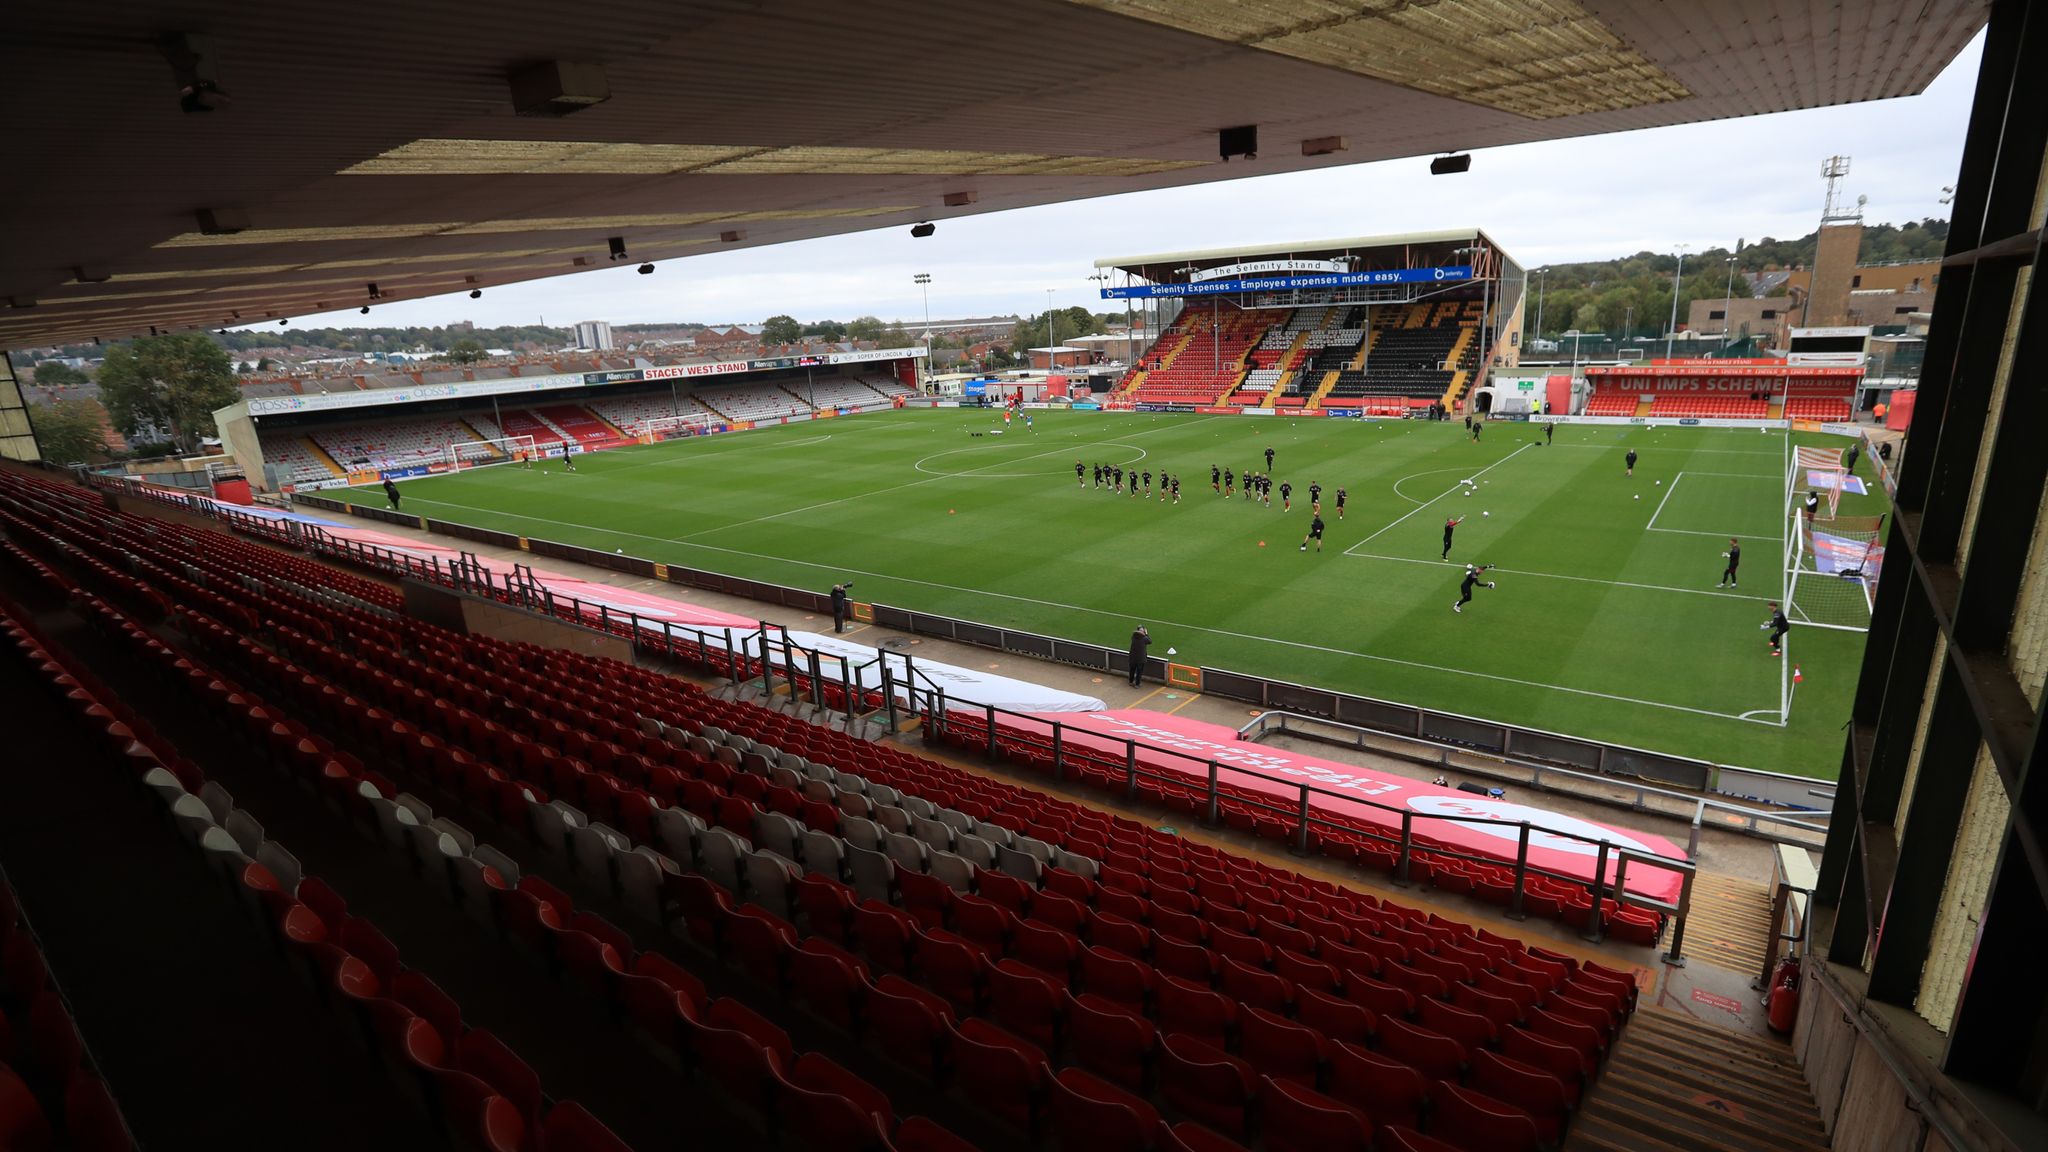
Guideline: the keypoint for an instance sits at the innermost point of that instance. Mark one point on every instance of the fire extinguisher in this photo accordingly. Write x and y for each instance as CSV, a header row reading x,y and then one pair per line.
x,y
1784,998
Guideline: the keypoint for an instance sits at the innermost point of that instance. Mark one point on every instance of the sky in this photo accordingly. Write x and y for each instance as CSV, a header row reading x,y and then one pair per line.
x,y
1593,198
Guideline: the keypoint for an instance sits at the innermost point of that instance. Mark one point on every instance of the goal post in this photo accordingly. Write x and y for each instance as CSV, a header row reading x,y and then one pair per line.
x,y
662,428
1831,571
503,450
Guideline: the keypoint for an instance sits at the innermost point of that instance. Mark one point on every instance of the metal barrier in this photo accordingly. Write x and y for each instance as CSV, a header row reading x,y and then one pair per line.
x,y
1805,833
1044,742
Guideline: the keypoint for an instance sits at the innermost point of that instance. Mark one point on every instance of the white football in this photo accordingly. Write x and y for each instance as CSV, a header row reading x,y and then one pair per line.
x,y
1635,497
1486,513
1660,482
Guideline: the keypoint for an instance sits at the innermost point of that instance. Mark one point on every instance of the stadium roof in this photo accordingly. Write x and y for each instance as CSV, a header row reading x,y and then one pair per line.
x,y
376,141
1171,265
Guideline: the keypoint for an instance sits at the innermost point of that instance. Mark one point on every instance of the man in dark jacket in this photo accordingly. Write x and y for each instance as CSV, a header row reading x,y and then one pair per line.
x,y
1141,641
391,494
840,607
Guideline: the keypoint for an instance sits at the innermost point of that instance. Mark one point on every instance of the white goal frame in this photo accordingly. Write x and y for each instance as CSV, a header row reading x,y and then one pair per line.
x,y
509,448
652,431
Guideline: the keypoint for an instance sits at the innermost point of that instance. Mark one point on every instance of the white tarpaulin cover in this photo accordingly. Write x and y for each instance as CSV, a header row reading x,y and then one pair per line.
x,y
963,686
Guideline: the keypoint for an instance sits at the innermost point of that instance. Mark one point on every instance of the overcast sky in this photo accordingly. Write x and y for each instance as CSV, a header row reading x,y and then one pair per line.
x,y
1586,199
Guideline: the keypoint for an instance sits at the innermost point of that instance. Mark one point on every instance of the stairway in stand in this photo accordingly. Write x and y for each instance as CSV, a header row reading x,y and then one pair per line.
x,y
1674,1084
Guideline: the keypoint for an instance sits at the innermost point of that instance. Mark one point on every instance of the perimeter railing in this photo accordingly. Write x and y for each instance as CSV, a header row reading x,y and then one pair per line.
x,y
1807,830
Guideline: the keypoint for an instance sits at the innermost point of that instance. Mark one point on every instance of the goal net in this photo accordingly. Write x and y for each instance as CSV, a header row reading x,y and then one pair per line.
x,y
670,427
1831,571
504,450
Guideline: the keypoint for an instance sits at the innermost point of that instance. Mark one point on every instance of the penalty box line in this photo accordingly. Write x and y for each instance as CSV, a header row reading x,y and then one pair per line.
x,y
1563,576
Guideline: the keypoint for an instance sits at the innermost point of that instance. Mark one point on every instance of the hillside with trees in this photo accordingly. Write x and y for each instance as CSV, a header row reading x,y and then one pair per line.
x,y
1631,296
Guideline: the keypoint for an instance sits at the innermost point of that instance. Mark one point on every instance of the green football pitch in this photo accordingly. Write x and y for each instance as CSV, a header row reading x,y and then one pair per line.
x,y
1606,622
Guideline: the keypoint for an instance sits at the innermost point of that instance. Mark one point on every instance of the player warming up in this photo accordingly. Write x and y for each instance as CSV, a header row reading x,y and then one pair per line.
x,y
1315,533
1472,575
1450,526
1080,474
1215,478
1778,626
1734,555
1269,457
1340,503
1630,460
1286,496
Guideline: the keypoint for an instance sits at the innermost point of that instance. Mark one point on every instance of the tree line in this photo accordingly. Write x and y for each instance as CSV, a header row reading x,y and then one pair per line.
x,y
1631,296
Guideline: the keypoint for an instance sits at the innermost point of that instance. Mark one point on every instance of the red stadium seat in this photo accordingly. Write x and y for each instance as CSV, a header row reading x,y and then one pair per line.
x,y
1090,1114
1470,1121
1300,1119
1205,1082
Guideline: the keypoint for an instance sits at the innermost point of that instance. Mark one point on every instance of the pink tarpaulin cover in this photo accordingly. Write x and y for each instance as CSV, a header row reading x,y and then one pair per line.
x,y
652,610
1499,838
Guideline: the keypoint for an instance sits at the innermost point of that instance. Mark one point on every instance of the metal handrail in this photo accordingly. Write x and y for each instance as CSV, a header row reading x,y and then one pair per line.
x,y
1754,818
1306,816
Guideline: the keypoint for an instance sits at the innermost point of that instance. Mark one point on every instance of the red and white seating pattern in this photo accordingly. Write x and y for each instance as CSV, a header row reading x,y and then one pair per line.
x,y
294,461
392,443
1612,402
631,413
752,402
575,423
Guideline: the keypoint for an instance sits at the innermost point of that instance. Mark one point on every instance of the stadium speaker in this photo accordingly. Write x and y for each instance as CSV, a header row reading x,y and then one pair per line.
x,y
923,229
366,309
476,293
647,269
558,88
222,221
1451,165
1242,140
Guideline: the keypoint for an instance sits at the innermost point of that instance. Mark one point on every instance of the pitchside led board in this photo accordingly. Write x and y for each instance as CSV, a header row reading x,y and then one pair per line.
x,y
1235,285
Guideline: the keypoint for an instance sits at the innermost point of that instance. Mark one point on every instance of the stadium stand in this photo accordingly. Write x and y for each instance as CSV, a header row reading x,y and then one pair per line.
x,y
940,918
1695,405
1415,356
1612,402
751,402
1201,356
577,423
519,422
887,385
393,444
835,392
631,413
297,459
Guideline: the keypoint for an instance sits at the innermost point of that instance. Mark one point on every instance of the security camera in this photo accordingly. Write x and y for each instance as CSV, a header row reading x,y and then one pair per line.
x,y
475,293
923,229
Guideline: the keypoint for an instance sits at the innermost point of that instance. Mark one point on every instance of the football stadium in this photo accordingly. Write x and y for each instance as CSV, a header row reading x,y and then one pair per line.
x,y
1320,704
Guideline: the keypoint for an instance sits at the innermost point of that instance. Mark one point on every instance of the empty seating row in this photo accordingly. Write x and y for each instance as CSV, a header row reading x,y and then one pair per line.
x,y
632,413
751,402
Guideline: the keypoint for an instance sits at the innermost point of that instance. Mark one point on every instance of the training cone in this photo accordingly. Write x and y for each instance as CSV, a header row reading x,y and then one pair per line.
x,y
1262,543
1796,677
949,511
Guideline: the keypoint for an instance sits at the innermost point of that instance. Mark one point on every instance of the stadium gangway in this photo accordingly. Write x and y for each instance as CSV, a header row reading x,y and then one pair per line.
x,y
939,714
1758,822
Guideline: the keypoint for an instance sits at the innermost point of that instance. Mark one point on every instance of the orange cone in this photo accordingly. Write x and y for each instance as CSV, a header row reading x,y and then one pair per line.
x,y
1796,677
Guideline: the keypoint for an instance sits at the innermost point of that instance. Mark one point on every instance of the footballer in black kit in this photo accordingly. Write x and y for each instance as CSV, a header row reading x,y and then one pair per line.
x,y
1315,533
1471,581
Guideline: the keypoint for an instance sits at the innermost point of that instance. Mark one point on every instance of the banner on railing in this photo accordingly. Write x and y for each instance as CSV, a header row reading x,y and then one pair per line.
x,y
1486,826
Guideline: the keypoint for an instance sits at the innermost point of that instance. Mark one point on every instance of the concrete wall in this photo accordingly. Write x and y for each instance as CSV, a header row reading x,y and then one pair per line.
x,y
1865,1102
